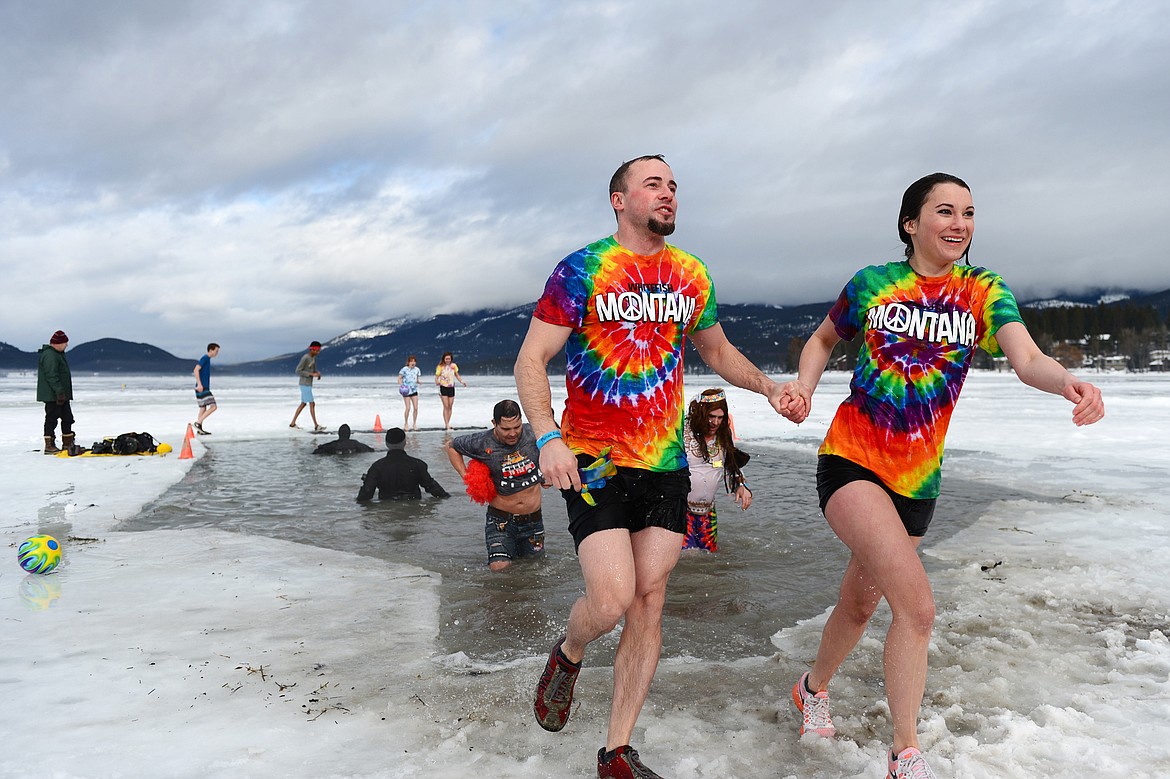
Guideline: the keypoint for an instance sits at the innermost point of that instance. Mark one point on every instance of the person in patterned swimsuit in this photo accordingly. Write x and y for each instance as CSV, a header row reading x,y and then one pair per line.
x,y
622,308
878,471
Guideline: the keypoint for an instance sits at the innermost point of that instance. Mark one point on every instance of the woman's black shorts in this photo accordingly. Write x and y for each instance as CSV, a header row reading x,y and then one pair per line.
x,y
447,392
834,472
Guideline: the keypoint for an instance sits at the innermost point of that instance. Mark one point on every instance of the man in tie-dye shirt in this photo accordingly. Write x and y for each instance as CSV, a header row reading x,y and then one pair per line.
x,y
622,308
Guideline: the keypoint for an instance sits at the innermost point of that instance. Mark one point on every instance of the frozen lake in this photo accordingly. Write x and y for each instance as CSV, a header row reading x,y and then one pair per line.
x,y
239,615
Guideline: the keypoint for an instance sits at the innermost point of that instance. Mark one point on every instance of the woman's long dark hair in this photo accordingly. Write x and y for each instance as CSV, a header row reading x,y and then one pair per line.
x,y
701,430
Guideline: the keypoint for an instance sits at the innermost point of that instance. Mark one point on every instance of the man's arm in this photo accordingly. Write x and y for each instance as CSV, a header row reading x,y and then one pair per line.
x,y
813,359
729,362
723,358
457,461
198,382
428,483
369,483
542,342
557,461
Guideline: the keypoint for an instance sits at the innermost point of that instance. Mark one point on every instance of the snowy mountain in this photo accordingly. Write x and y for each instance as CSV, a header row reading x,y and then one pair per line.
x,y
1086,299
486,341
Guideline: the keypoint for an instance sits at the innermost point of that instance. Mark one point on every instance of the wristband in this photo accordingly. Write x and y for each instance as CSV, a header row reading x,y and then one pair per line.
x,y
544,439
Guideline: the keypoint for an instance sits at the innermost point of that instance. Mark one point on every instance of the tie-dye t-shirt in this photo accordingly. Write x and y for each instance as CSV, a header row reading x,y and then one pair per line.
x,y
630,315
919,335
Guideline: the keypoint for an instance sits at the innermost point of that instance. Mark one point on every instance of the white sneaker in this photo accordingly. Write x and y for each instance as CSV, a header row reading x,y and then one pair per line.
x,y
815,709
909,764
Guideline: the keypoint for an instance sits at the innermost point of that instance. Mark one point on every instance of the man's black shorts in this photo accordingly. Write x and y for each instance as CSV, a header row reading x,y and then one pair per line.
x,y
834,472
633,499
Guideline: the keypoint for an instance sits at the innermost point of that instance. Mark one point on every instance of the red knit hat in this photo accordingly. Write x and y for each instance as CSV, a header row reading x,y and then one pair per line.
x,y
59,337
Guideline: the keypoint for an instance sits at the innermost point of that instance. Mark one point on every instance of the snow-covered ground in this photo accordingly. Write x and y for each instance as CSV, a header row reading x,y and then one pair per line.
x,y
201,653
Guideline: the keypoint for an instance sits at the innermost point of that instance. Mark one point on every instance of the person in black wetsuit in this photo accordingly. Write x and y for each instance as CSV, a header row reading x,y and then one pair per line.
x,y
343,445
398,476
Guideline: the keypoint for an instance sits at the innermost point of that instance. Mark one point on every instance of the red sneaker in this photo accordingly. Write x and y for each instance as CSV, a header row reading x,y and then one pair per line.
x,y
624,763
554,691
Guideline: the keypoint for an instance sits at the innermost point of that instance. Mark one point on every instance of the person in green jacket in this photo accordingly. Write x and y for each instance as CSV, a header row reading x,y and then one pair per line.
x,y
55,390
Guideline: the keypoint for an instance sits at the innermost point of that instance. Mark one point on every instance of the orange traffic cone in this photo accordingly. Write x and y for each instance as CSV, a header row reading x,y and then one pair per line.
x,y
190,433
186,454
377,423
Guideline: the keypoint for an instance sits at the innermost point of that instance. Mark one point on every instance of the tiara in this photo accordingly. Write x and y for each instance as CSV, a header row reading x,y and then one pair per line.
x,y
718,396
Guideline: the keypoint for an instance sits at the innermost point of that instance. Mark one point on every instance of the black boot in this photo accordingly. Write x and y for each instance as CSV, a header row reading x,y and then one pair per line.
x,y
67,441
51,444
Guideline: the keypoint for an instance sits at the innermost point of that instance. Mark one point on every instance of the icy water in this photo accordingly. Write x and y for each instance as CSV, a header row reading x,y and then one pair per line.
x,y
778,562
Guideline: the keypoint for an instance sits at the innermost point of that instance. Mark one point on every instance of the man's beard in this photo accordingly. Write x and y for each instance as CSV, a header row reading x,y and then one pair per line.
x,y
658,227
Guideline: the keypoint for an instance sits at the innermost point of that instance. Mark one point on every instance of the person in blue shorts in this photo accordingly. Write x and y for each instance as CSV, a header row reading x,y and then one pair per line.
x,y
203,397
307,370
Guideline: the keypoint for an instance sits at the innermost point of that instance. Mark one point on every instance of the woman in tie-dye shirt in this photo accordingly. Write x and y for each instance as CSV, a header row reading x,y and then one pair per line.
x,y
920,321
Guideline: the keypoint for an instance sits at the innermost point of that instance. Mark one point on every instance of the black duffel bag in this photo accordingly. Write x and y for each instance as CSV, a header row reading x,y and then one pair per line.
x,y
134,443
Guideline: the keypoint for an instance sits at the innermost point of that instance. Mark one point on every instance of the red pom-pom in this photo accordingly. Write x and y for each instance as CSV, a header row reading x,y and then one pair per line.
x,y
479,483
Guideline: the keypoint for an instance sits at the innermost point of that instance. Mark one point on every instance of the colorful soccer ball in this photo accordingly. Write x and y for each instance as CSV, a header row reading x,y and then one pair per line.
x,y
39,554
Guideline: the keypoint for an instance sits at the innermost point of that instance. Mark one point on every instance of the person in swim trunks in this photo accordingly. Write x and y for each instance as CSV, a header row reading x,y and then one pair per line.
x,y
622,308
878,472
307,371
203,397
515,525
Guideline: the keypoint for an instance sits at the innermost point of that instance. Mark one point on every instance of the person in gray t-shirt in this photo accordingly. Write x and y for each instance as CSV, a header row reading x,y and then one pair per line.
x,y
307,371
515,526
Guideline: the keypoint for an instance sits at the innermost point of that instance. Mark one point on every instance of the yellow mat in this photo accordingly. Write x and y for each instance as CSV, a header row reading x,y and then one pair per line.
x,y
88,453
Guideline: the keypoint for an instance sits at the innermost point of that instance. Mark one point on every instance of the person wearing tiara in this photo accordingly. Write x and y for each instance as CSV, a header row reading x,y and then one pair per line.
x,y
713,461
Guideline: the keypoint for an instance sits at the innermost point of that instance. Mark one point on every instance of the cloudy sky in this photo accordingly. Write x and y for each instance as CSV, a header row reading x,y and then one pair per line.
x,y
264,173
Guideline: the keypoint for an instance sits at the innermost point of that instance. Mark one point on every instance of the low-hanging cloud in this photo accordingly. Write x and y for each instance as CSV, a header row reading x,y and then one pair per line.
x,y
263,174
